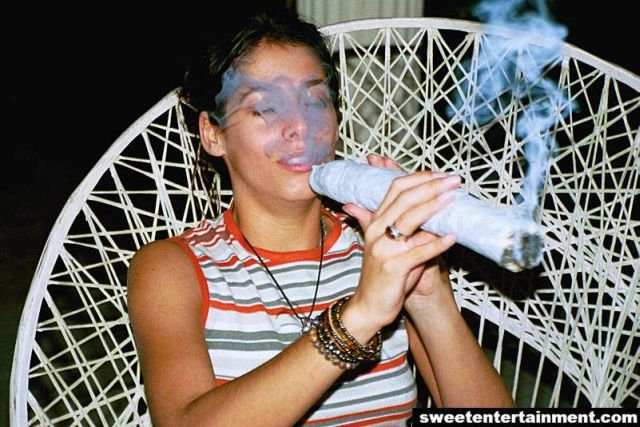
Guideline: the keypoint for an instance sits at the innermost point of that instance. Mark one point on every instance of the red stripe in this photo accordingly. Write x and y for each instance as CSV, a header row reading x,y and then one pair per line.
x,y
343,254
233,260
370,421
384,366
258,308
369,414
198,232
191,232
283,259
286,257
202,282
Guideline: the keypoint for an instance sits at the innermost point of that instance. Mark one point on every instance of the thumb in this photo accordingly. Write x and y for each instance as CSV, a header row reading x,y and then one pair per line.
x,y
361,214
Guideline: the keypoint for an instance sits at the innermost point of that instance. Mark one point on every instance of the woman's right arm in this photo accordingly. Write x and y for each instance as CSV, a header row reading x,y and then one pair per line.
x,y
164,307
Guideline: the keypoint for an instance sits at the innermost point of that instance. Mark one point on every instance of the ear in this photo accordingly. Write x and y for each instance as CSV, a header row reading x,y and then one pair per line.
x,y
211,136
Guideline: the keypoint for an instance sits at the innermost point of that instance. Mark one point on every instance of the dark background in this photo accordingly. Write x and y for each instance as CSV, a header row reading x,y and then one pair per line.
x,y
76,78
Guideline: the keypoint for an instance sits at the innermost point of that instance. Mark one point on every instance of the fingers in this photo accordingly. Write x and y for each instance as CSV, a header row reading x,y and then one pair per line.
x,y
375,160
361,214
405,183
383,162
411,219
402,183
426,247
421,238
398,258
412,200
434,247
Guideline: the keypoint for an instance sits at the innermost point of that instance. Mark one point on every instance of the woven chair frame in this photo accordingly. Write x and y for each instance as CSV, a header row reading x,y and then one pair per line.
x,y
566,333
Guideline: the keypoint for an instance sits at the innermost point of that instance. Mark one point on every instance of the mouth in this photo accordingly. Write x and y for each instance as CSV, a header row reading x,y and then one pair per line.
x,y
302,160
297,163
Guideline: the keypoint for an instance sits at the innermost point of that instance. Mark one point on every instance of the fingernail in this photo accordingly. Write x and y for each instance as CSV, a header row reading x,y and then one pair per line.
x,y
453,179
449,239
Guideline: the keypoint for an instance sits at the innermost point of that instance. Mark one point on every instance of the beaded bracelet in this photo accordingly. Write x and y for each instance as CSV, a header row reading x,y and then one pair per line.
x,y
369,352
338,346
330,351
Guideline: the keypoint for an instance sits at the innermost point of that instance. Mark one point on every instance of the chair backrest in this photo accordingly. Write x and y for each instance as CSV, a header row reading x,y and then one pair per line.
x,y
564,334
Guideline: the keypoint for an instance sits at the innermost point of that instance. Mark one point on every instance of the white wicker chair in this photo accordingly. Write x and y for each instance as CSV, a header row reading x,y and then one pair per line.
x,y
564,334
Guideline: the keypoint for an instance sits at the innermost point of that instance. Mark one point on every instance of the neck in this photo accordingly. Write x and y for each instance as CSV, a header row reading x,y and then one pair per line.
x,y
294,228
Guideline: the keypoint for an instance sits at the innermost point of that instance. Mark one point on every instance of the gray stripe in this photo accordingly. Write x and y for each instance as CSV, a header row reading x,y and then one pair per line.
x,y
309,268
375,378
355,418
368,400
326,283
244,346
268,283
249,341
253,336
233,268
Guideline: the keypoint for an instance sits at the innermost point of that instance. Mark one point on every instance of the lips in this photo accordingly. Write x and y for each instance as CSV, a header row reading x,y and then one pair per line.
x,y
298,164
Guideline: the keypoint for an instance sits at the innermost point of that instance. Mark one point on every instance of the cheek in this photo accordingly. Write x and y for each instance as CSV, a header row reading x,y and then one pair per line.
x,y
333,127
328,130
244,145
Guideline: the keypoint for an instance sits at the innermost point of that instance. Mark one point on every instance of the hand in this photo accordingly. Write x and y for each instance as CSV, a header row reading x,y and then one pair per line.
x,y
434,273
393,269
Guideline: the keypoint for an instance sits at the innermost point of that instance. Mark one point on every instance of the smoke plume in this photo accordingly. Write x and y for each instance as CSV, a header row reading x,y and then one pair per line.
x,y
511,70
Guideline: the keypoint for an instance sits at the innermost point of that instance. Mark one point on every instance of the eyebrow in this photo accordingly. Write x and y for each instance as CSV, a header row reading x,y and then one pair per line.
x,y
315,82
251,90
264,87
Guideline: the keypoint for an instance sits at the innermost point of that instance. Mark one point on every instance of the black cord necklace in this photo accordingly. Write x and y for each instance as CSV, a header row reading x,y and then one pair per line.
x,y
307,321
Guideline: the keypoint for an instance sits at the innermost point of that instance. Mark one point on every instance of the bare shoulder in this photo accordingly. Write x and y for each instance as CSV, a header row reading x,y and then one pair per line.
x,y
165,305
160,270
163,258
161,254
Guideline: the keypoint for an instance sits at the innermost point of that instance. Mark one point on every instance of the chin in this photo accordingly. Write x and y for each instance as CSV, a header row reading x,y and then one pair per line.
x,y
299,190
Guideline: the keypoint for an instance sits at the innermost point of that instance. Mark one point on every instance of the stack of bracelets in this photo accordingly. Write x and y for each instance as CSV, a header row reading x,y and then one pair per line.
x,y
337,345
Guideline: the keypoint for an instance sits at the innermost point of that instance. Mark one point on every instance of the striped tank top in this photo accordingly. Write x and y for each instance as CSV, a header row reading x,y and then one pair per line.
x,y
247,321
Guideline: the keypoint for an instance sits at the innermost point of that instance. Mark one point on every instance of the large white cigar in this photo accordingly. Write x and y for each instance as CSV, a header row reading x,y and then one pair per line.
x,y
501,234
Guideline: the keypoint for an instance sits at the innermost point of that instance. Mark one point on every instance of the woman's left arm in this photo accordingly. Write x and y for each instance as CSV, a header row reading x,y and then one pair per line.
x,y
453,365
448,356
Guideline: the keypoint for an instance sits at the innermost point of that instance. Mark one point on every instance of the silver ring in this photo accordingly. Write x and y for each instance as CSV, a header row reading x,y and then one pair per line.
x,y
393,232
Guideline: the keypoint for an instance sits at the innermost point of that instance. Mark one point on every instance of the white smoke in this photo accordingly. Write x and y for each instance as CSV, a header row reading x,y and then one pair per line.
x,y
512,70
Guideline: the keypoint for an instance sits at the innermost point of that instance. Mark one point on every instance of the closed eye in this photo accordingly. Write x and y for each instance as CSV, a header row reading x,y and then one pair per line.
x,y
262,112
317,102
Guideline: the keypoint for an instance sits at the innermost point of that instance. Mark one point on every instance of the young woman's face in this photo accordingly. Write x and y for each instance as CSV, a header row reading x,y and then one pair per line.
x,y
279,121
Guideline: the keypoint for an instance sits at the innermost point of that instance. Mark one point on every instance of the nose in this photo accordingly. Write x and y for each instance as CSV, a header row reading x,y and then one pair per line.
x,y
295,126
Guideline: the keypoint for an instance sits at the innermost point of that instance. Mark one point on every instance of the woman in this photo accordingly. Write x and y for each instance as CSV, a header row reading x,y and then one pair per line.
x,y
278,312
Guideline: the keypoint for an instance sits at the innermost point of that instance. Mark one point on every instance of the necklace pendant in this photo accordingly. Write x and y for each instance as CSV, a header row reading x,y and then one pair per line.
x,y
308,323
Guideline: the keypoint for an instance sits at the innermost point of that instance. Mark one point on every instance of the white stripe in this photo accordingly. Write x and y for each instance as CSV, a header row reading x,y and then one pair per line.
x,y
234,284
